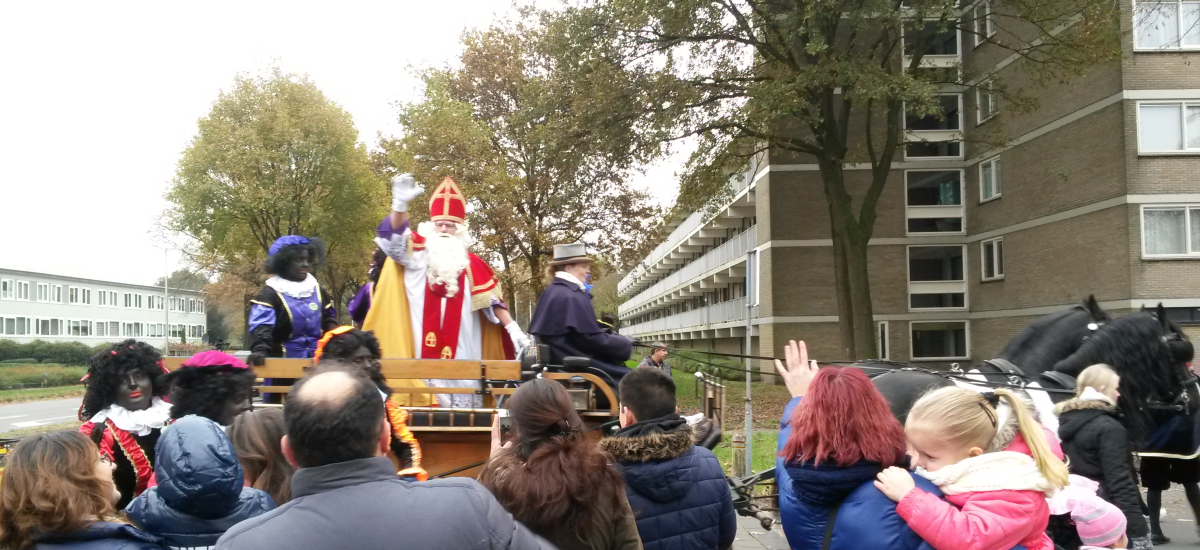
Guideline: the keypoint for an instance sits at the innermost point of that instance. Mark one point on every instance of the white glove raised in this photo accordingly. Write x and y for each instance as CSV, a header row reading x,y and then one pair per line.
x,y
404,190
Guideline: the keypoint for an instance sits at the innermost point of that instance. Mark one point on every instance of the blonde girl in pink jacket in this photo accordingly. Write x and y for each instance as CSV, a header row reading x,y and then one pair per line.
x,y
994,501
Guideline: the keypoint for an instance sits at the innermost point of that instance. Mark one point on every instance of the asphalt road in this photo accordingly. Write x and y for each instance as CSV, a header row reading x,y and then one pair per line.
x,y
38,413
1179,524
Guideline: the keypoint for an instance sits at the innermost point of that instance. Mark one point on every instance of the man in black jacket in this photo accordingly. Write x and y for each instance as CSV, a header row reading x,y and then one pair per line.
x,y
566,321
677,490
346,493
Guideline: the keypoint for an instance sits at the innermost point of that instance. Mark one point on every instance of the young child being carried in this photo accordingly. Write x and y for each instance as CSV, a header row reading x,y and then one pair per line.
x,y
994,501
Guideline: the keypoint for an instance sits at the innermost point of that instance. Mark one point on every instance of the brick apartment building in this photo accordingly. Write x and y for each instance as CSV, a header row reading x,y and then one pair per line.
x,y
1095,192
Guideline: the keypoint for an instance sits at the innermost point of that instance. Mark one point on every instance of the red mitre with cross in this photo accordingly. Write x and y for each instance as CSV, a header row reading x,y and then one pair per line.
x,y
447,203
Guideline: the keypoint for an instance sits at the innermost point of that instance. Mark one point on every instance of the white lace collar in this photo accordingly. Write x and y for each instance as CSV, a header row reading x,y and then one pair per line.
x,y
571,278
138,422
296,289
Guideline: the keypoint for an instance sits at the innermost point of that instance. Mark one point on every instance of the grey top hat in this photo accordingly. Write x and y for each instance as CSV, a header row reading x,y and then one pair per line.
x,y
573,253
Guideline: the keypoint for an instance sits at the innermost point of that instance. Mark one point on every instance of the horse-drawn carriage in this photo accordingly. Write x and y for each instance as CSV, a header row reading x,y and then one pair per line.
x,y
455,442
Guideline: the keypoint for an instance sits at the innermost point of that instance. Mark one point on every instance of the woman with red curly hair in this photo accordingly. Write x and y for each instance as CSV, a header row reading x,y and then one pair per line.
x,y
837,434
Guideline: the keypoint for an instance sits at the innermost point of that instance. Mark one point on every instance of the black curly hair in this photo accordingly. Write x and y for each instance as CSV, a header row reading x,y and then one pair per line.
x,y
278,264
377,261
203,391
343,346
107,368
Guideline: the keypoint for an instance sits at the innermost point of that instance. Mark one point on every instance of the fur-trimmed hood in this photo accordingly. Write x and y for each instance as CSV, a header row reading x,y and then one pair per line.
x,y
646,448
1077,404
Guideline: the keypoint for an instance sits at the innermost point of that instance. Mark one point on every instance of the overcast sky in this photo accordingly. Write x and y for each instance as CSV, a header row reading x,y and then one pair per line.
x,y
99,99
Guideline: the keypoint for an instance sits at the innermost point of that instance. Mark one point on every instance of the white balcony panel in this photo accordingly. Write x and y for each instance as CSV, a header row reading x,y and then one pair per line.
x,y
732,250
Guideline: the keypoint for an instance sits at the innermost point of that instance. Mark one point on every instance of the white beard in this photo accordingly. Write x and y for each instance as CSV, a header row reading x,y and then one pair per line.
x,y
446,256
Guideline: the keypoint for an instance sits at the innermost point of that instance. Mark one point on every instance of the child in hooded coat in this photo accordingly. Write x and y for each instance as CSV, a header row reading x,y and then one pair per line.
x,y
200,492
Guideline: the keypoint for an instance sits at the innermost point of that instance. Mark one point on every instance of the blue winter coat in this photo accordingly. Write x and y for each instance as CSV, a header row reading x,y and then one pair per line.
x,y
102,535
200,492
677,491
867,518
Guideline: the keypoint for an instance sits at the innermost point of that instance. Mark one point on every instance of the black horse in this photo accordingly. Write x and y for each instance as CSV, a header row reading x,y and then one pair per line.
x,y
1034,350
1147,350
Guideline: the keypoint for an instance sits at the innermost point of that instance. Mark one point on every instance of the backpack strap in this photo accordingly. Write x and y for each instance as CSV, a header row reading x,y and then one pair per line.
x,y
833,513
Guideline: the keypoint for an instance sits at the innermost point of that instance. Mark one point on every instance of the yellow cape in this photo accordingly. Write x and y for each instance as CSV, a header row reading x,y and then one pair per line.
x,y
389,319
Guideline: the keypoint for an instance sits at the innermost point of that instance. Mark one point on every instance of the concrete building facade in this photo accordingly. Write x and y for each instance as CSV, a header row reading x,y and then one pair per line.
x,y
1095,192
56,308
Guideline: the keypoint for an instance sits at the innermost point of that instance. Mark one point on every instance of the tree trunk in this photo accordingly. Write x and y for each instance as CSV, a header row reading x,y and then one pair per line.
x,y
858,278
856,325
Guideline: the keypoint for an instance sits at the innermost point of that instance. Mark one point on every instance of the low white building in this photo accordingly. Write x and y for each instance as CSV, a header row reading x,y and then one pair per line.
x,y
55,308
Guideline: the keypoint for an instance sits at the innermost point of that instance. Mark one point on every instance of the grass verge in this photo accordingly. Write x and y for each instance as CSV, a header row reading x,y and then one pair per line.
x,y
26,432
39,394
763,452
768,400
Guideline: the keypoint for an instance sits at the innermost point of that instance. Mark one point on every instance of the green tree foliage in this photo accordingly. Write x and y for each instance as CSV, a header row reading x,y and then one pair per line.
x,y
508,124
826,83
276,157
184,279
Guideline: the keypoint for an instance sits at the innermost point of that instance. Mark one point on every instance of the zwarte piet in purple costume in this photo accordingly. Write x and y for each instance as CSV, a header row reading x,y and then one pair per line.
x,y
292,311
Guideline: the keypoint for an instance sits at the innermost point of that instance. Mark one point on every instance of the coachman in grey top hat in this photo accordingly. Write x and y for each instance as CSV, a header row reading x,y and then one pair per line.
x,y
566,322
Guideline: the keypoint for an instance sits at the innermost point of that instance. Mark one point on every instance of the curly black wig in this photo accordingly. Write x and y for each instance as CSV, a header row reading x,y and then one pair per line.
x,y
343,346
107,368
278,264
377,261
203,391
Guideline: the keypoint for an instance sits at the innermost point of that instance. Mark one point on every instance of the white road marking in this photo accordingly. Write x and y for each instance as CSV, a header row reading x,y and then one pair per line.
x,y
13,416
43,422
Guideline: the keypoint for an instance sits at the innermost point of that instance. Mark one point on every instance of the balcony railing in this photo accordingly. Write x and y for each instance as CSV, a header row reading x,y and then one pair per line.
x,y
729,251
689,225
724,312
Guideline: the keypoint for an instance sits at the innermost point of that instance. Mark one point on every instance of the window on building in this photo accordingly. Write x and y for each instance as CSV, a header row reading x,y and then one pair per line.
x,y
942,40
881,339
85,296
49,327
992,259
989,179
56,294
128,299
936,277
137,301
8,289
16,326
73,294
112,298
985,102
191,306
23,290
1168,127
101,329
1170,25
933,200
200,303
80,328
1171,231
982,22
114,329
947,116
43,292
939,340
